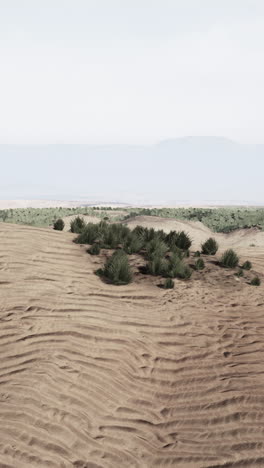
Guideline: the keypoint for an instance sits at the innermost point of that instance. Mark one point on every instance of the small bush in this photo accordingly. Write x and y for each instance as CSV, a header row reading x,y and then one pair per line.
x,y
59,225
77,225
89,234
117,268
240,272
247,265
178,239
229,259
199,264
158,266
197,253
133,245
255,281
156,248
176,251
168,283
95,249
178,269
210,247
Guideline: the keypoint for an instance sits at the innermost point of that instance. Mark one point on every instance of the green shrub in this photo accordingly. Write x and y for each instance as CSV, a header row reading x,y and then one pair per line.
x,y
89,234
109,236
175,250
177,268
59,225
197,253
199,264
77,225
183,242
178,239
247,265
156,247
210,246
255,281
158,266
117,269
133,245
168,283
229,259
95,249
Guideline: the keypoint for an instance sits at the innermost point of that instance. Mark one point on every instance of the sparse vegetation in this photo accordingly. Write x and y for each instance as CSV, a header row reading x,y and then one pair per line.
x,y
163,255
229,259
217,219
59,225
255,281
210,246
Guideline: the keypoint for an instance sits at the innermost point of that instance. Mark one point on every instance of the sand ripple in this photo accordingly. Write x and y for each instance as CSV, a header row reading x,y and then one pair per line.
x,y
95,376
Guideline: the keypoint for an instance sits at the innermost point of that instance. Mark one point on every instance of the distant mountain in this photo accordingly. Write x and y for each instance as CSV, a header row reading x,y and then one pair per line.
x,y
186,169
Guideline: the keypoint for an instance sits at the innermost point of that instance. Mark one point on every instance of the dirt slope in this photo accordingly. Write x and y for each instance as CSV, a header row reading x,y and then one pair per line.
x,y
96,376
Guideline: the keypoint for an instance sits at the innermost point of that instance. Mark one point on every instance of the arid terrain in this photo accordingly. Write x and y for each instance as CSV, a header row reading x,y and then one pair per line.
x,y
100,376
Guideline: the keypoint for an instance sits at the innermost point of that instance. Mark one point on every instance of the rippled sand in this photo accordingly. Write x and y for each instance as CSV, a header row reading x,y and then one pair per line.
x,y
97,376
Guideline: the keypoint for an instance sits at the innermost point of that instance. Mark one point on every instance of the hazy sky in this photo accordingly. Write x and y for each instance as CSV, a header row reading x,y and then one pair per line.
x,y
130,71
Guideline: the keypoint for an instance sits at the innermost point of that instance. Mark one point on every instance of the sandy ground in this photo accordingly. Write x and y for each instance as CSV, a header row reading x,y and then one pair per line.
x,y
97,376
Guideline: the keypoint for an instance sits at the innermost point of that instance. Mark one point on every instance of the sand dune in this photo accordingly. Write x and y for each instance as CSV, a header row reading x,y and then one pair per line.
x,y
96,376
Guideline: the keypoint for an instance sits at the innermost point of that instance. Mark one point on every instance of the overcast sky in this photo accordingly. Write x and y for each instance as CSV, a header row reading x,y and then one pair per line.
x,y
130,71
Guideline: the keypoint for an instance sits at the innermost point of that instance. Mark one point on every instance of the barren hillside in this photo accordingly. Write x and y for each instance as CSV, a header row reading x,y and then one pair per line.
x,y
100,376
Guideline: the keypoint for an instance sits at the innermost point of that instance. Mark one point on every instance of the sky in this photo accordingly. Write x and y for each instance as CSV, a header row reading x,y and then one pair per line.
x,y
130,71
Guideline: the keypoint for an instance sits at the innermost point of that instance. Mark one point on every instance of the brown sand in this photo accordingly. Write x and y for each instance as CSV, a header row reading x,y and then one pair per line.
x,y
97,376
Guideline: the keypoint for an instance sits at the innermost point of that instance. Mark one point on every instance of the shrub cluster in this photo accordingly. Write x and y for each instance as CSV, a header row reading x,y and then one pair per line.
x,y
170,267
112,236
165,253
108,236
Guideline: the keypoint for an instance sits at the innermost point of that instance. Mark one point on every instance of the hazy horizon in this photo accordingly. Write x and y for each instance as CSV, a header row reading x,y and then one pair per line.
x,y
195,169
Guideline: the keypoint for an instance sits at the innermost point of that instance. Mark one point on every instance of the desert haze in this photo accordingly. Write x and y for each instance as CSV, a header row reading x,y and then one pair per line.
x,y
101,376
